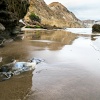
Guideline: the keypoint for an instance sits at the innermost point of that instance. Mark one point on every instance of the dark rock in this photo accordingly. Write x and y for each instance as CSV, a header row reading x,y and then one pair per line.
x,y
1,59
18,37
2,28
2,41
96,28
11,11
16,30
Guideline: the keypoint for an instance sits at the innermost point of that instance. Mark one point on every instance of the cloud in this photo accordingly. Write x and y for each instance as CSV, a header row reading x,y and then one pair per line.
x,y
88,14
83,9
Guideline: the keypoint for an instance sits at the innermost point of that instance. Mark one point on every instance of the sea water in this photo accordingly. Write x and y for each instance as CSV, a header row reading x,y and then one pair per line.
x,y
80,30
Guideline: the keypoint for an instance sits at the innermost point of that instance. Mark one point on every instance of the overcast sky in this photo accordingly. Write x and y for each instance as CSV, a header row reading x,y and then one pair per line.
x,y
83,9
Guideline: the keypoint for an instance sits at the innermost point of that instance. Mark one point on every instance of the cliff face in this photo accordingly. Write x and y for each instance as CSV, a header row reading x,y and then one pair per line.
x,y
54,14
10,13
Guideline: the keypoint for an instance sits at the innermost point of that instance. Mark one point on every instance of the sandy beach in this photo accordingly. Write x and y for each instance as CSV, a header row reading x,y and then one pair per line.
x,y
70,71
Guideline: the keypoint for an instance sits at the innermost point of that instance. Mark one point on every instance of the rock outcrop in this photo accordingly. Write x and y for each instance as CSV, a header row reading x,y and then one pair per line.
x,y
54,14
96,28
10,13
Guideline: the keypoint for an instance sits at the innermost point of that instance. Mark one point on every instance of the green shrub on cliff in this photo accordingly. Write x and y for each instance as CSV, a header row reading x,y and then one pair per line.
x,y
37,26
29,26
34,17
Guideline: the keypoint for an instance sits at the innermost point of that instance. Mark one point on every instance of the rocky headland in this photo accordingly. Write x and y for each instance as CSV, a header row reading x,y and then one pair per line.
x,y
39,15
54,14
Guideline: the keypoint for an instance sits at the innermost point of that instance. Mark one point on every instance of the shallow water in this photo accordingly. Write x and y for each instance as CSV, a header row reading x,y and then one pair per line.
x,y
80,30
70,71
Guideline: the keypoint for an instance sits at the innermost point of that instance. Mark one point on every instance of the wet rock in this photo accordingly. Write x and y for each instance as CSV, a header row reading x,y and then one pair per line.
x,y
2,41
11,11
18,38
16,30
0,59
96,28
2,28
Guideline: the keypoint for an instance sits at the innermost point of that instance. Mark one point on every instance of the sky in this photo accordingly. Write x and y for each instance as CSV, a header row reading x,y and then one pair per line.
x,y
83,9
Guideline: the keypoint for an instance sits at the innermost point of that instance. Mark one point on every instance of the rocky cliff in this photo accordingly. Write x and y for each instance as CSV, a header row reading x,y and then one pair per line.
x,y
54,14
10,13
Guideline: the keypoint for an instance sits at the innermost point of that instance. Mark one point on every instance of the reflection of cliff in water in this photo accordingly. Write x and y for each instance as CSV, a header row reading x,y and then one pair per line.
x,y
57,38
16,50
36,40
39,41
94,37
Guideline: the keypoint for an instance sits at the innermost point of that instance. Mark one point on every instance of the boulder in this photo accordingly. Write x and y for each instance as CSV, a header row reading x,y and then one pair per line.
x,y
96,28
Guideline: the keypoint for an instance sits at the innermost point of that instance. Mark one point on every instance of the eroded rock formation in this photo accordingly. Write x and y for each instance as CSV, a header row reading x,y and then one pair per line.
x,y
54,14
11,11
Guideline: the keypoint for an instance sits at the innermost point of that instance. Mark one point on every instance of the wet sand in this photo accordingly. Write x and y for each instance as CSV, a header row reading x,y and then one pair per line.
x,y
64,81
70,71
17,87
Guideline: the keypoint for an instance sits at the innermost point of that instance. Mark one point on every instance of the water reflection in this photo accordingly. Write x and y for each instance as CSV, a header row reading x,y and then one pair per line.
x,y
65,38
94,37
70,62
21,50
17,87
47,45
14,50
71,72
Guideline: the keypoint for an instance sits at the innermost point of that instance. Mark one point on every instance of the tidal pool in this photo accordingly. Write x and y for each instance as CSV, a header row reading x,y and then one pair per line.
x,y
70,71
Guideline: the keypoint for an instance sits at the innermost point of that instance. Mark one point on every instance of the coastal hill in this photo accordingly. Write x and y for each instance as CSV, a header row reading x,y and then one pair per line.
x,y
54,14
